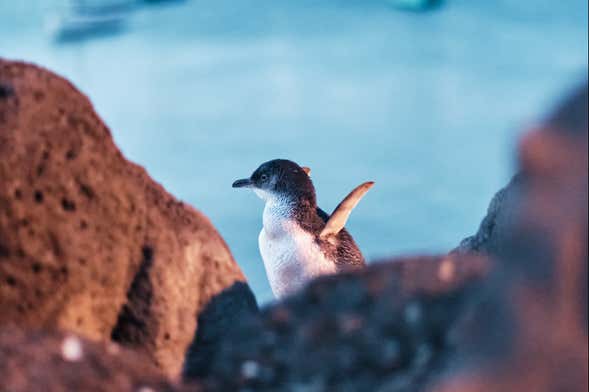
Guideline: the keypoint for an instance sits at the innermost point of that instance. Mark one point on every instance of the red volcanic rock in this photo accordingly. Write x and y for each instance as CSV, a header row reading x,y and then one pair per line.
x,y
88,241
60,362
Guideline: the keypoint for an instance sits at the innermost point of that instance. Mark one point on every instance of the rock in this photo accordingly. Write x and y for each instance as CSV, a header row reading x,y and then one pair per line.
x,y
528,330
495,228
89,243
490,235
61,362
383,327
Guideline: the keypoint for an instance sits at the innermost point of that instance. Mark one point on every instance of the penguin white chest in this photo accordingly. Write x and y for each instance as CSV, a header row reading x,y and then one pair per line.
x,y
291,255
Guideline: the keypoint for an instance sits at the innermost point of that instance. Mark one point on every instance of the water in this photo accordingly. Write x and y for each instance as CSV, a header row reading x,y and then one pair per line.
x,y
429,105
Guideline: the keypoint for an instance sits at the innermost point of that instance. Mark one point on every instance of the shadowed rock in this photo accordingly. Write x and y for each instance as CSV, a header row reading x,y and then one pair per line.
x,y
216,321
88,241
383,327
490,237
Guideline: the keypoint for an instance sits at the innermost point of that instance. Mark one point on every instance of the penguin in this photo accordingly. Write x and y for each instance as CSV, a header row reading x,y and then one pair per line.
x,y
298,240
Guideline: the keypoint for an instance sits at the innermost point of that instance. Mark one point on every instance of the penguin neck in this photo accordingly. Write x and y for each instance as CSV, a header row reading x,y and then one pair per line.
x,y
280,212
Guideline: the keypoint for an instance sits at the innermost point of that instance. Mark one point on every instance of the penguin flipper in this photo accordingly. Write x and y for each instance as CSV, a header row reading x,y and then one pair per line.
x,y
340,215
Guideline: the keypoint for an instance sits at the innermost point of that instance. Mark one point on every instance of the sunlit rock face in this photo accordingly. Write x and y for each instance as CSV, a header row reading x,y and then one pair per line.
x,y
89,243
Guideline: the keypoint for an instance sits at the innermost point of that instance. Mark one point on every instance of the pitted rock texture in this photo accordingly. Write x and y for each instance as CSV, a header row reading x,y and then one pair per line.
x,y
88,241
385,328
60,362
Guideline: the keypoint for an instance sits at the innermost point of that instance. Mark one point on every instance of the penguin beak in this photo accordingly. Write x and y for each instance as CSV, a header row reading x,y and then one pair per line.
x,y
243,183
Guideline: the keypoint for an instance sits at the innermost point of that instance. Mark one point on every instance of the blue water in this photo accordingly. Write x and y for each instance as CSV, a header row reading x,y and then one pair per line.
x,y
429,105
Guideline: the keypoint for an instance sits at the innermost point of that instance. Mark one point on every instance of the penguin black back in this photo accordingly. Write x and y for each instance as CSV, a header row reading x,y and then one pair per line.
x,y
346,253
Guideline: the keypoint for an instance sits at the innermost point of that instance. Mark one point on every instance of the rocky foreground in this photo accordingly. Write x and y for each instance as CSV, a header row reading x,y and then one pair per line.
x,y
89,243
108,283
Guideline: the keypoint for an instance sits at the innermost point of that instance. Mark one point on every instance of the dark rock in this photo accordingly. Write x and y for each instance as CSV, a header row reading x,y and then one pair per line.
x,y
88,241
215,322
60,362
383,327
492,230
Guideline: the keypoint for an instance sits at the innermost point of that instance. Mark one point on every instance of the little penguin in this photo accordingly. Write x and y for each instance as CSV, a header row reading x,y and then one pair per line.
x,y
298,240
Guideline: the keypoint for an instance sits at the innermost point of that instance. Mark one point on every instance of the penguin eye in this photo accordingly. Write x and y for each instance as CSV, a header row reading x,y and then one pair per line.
x,y
263,177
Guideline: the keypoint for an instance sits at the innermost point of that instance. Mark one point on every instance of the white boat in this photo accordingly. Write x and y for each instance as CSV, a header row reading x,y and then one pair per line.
x,y
84,19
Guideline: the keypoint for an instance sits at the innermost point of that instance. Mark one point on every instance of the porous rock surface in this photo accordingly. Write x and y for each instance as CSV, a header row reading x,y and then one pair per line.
x,y
89,243
62,362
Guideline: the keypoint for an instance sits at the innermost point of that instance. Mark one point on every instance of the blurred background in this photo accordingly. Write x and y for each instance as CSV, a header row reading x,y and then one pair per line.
x,y
427,98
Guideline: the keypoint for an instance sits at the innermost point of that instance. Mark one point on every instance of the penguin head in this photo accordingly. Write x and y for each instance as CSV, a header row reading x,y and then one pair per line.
x,y
280,179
